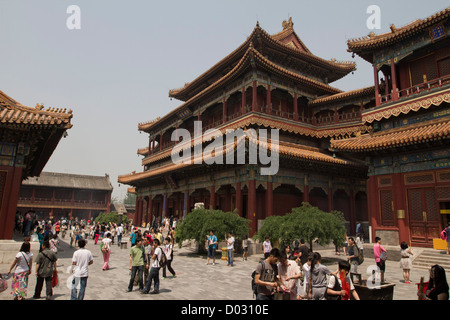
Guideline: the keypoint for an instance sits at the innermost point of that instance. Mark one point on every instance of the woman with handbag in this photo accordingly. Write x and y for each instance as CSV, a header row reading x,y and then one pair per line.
x,y
106,250
380,255
23,263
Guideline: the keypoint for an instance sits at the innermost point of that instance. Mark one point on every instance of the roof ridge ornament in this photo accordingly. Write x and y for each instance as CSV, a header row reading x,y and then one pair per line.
x,y
287,24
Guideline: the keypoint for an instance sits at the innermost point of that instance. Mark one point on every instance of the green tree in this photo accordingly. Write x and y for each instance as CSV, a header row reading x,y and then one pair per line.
x,y
112,217
198,222
307,222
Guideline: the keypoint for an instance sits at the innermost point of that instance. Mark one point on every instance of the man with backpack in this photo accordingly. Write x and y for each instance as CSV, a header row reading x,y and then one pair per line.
x,y
159,260
265,276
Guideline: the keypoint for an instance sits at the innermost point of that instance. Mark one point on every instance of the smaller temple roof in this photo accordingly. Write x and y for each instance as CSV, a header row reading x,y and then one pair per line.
x,y
372,42
402,136
368,92
71,181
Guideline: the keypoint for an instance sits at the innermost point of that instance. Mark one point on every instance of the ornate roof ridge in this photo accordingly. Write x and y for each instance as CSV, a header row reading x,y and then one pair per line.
x,y
372,40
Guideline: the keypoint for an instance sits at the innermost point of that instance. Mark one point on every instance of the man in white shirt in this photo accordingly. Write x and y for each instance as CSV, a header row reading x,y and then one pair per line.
x,y
154,271
230,247
82,259
119,234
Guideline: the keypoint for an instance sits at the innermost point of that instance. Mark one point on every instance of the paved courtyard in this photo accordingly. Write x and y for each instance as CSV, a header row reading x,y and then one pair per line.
x,y
195,280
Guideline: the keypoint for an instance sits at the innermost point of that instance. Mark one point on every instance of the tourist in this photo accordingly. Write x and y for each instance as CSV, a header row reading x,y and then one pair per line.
x,y
212,246
266,247
437,288
306,268
380,255
106,250
137,263
54,243
147,245
27,224
154,271
23,262
81,260
230,248
318,278
405,261
266,276
72,234
245,248
353,255
113,233
96,233
288,275
45,265
119,234
304,252
133,237
40,234
447,235
168,251
340,288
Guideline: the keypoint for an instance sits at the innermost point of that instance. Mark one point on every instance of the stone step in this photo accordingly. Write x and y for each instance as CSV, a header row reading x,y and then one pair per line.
x,y
429,257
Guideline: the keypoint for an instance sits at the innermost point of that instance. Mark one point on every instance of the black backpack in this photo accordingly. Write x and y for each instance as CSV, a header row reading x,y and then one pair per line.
x,y
163,260
254,285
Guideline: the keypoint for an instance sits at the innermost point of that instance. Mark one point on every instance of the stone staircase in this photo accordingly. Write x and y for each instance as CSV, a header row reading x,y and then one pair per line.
x,y
429,257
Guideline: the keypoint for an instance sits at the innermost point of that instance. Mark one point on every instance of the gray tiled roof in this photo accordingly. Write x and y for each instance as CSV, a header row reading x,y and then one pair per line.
x,y
68,180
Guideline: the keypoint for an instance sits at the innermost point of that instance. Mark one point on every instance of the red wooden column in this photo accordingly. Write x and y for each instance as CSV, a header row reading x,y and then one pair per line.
x,y
400,205
269,199
149,215
11,186
377,86
295,107
372,202
244,100
224,111
252,203
394,81
306,190
239,198
269,99
212,198
254,97
352,212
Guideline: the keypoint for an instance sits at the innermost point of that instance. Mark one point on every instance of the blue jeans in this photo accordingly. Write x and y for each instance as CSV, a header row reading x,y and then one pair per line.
x,y
140,271
83,282
230,256
154,275
119,239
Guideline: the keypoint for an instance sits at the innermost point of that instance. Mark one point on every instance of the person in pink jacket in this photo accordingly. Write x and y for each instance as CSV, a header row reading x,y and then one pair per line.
x,y
380,255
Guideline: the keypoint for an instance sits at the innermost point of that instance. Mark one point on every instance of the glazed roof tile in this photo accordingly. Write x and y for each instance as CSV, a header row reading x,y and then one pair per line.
x,y
408,135
14,113
257,34
373,41
251,57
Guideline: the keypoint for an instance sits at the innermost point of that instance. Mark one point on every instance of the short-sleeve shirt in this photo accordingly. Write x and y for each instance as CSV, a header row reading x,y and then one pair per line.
x,y
22,264
82,257
266,245
267,275
46,259
230,243
155,263
137,255
377,249
211,240
332,282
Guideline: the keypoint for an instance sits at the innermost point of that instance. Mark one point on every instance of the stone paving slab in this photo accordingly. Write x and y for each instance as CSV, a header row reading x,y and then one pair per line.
x,y
194,281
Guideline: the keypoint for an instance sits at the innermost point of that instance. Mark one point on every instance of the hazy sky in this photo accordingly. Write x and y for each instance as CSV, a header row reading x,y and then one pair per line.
x,y
116,71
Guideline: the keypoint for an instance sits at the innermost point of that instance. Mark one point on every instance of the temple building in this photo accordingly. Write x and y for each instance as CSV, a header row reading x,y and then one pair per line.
x,y
28,137
407,151
63,195
270,82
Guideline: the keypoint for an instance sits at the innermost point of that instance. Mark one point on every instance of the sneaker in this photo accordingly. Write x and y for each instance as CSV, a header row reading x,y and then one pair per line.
x,y
154,292
164,278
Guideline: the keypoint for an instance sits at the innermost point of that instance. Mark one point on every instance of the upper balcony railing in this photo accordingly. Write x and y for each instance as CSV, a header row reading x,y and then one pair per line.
x,y
417,89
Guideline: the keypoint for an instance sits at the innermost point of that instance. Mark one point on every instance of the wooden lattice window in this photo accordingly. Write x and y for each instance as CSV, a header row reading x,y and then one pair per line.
x,y
443,193
432,209
415,197
444,67
387,212
419,178
384,181
444,176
